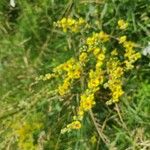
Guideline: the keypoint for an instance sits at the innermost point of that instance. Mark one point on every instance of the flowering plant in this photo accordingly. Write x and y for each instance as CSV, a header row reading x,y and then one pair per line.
x,y
99,65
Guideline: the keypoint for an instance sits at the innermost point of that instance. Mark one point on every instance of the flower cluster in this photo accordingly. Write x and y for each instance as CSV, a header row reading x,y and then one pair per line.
x,y
95,77
130,55
47,76
115,73
72,70
95,39
83,58
24,134
73,125
70,24
107,68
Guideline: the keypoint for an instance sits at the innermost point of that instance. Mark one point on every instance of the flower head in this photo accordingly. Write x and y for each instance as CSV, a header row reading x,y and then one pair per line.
x,y
122,24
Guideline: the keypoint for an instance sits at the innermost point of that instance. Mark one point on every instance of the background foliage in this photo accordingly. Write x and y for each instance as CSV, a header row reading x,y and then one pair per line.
x,y
30,46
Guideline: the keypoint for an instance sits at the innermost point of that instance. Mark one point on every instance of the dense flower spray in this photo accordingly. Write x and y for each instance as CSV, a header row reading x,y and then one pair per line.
x,y
107,69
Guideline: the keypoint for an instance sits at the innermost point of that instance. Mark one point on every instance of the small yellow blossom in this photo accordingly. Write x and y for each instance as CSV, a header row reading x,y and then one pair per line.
x,y
99,64
122,24
91,41
96,38
62,89
129,65
24,133
96,51
80,113
70,24
130,55
122,39
114,83
101,57
74,125
87,102
93,83
104,37
129,44
81,21
83,57
114,52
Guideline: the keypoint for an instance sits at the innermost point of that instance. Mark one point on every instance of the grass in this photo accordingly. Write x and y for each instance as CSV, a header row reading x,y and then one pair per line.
x,y
30,46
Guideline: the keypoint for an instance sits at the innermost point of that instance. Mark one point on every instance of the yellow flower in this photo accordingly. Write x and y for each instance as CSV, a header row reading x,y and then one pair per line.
x,y
122,24
83,57
96,51
76,71
93,83
114,52
114,83
76,74
104,37
70,23
62,89
90,41
99,64
87,105
137,55
128,65
74,29
81,21
87,102
129,44
63,21
122,39
130,55
80,112
101,57
76,125
91,74
48,76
